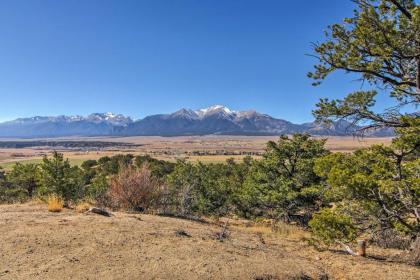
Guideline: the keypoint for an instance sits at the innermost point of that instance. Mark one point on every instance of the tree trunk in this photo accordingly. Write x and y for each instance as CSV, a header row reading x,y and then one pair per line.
x,y
361,248
399,168
418,75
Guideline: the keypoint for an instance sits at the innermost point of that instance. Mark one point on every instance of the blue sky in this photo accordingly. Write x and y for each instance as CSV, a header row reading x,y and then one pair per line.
x,y
142,57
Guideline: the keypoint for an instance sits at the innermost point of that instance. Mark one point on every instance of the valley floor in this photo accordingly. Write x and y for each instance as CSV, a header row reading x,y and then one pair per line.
x,y
208,148
36,244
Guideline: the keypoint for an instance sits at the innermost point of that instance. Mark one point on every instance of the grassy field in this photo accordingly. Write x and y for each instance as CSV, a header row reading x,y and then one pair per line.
x,y
193,148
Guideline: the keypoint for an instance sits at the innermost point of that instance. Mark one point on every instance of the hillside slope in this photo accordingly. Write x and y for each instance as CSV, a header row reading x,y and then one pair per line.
x,y
37,244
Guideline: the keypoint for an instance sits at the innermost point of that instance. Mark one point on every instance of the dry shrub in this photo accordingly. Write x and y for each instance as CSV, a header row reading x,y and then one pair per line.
x,y
414,254
134,189
82,207
55,203
390,238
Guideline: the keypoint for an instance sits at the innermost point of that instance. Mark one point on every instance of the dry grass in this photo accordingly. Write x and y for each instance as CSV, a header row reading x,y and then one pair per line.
x,y
289,230
270,227
55,203
83,207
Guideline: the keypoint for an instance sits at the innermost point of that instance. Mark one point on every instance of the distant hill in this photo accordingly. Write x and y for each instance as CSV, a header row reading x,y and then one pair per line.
x,y
217,119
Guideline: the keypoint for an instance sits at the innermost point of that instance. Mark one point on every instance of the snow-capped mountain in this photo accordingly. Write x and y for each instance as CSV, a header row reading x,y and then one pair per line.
x,y
116,119
218,119
215,119
93,124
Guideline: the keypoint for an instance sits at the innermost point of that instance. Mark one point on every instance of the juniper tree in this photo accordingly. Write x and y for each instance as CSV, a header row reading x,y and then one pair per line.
x,y
23,176
378,187
283,183
57,176
2,174
381,44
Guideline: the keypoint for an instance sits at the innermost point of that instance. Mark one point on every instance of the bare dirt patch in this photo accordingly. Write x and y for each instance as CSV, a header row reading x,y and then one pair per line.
x,y
37,244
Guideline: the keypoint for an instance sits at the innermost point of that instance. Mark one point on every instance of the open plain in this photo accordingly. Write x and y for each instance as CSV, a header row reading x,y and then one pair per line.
x,y
193,148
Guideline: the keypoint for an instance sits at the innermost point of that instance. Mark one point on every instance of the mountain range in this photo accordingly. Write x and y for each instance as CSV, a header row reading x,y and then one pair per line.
x,y
217,120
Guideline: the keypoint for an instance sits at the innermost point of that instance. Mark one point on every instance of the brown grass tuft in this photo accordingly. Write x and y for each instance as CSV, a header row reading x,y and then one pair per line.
x,y
55,203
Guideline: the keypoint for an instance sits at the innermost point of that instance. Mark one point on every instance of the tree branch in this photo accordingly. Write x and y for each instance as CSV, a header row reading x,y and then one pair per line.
x,y
402,9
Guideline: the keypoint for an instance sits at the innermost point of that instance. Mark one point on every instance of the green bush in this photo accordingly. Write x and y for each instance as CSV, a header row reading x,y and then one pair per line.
x,y
57,176
13,195
98,188
19,184
382,182
159,168
112,165
330,227
205,189
183,185
283,184
23,176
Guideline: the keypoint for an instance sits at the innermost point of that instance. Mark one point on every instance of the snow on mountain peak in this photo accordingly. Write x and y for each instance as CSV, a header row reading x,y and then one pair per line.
x,y
110,115
116,119
214,109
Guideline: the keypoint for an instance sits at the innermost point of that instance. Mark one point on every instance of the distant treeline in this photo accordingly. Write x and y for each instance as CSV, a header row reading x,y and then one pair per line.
x,y
224,153
64,144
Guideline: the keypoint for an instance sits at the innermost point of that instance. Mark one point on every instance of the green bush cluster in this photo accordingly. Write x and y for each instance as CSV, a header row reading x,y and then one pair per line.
x,y
337,195
330,226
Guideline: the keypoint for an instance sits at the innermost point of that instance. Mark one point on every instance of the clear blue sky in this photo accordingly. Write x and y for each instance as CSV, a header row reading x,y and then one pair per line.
x,y
142,57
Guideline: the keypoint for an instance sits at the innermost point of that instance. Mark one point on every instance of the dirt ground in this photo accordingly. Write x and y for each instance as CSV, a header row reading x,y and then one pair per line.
x,y
36,244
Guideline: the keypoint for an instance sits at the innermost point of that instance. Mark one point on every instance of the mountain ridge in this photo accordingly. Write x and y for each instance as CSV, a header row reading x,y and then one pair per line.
x,y
216,119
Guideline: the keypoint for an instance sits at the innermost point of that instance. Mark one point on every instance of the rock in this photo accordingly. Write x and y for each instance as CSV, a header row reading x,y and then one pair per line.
x,y
100,211
182,233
